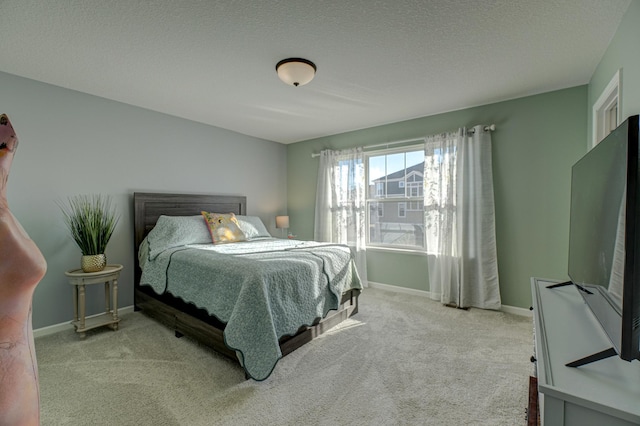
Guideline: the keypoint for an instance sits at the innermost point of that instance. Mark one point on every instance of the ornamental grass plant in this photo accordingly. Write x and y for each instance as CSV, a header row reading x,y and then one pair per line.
x,y
91,219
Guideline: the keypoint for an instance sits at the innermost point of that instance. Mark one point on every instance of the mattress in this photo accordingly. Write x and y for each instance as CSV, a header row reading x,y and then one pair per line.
x,y
262,289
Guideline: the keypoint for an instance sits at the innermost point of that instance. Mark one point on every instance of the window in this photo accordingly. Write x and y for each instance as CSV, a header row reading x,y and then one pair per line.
x,y
416,206
395,180
402,209
414,189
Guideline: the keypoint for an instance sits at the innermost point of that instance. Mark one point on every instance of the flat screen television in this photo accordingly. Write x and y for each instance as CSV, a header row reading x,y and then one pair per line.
x,y
604,238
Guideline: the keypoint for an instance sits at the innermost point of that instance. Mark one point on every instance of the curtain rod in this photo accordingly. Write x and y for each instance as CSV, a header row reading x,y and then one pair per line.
x,y
489,128
387,144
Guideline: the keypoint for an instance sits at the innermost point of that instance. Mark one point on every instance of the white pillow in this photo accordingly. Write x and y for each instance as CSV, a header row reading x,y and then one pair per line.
x,y
174,231
252,227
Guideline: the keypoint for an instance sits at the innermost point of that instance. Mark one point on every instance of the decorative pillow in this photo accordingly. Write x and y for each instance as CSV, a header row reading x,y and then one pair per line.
x,y
224,228
252,227
174,231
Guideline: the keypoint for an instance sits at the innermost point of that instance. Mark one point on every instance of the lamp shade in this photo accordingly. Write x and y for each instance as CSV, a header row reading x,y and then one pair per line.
x,y
282,222
296,71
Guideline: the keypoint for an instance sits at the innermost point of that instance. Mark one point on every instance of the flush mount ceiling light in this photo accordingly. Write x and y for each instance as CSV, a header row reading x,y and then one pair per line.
x,y
296,71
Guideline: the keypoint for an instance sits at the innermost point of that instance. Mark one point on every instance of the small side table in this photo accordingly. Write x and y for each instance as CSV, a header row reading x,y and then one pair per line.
x,y
78,279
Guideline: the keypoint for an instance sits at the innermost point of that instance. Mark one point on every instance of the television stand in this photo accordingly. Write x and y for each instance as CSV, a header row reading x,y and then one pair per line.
x,y
562,284
600,393
607,353
566,283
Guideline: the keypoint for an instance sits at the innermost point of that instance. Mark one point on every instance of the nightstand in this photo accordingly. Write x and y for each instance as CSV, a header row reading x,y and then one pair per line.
x,y
79,279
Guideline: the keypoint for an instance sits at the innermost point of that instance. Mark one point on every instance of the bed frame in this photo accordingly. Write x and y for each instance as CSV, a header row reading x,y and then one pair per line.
x,y
186,319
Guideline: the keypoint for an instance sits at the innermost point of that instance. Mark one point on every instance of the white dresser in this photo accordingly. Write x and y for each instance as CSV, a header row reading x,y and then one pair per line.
x,y
605,392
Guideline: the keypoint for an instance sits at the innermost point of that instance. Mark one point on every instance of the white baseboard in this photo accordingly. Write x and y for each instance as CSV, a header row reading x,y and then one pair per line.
x,y
423,293
45,331
523,312
398,289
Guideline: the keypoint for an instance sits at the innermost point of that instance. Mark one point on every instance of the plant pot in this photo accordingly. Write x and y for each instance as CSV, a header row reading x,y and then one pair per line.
x,y
94,262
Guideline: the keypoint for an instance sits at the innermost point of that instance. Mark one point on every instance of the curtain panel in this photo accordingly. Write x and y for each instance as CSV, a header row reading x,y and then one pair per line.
x,y
340,215
460,219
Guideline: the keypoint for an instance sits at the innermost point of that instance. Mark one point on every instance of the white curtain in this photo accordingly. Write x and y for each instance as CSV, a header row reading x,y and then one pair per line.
x,y
340,215
460,219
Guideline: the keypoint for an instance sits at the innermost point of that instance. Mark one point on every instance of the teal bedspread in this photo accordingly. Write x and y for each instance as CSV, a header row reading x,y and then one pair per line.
x,y
262,289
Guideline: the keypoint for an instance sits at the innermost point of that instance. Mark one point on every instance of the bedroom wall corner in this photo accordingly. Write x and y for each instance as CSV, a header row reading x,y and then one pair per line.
x,y
74,143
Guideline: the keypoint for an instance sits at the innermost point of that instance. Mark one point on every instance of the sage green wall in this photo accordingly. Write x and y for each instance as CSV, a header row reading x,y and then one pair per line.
x,y
622,53
537,140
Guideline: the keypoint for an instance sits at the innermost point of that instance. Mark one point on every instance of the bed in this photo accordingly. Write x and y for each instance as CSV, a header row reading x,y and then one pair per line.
x,y
252,316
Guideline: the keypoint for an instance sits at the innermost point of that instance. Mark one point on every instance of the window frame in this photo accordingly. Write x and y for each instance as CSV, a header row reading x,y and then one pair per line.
x,y
402,207
606,110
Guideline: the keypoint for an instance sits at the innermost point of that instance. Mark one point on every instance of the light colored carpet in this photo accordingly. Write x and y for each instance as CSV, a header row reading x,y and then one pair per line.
x,y
402,360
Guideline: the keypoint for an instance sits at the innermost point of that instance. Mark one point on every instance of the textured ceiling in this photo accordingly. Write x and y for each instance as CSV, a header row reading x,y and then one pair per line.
x,y
379,61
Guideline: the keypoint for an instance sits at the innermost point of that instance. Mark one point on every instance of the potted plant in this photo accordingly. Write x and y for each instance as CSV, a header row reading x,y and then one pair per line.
x,y
91,219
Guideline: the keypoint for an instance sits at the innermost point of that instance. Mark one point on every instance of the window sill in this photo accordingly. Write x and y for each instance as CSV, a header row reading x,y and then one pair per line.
x,y
417,252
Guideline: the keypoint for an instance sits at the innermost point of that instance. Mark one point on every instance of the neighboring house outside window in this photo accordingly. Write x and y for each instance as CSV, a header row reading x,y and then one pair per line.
x,y
396,181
